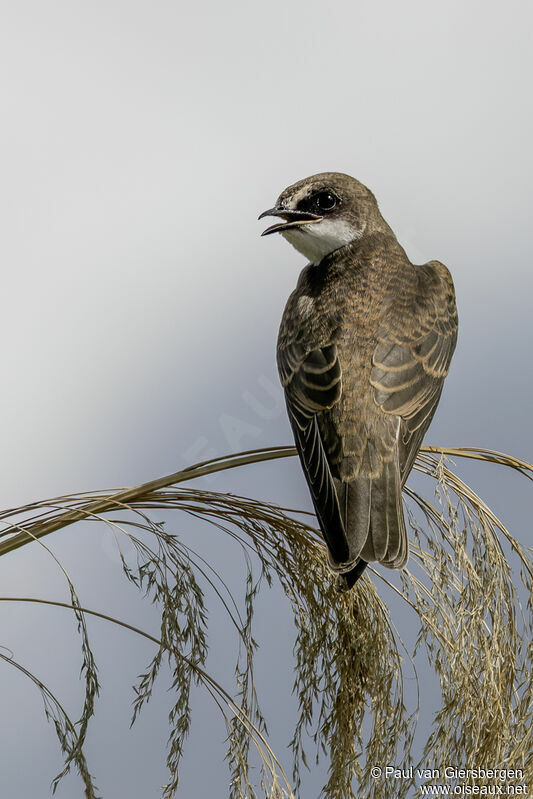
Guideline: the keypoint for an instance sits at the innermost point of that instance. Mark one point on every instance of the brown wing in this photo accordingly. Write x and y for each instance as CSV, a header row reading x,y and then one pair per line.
x,y
313,383
416,341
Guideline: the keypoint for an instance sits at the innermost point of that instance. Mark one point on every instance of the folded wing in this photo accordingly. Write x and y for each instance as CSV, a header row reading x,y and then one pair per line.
x,y
412,358
312,381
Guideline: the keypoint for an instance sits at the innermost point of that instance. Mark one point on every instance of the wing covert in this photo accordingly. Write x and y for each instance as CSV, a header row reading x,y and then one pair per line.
x,y
412,357
312,380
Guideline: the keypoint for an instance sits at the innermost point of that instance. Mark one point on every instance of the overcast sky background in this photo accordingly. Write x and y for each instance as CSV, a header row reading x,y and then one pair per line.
x,y
139,142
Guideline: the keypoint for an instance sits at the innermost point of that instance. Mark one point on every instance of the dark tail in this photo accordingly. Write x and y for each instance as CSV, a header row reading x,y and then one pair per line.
x,y
373,520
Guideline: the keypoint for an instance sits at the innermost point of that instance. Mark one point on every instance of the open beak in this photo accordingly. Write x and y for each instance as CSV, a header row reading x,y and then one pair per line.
x,y
292,219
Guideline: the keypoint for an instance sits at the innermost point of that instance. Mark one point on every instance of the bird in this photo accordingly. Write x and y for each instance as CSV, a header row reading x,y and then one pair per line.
x,y
365,342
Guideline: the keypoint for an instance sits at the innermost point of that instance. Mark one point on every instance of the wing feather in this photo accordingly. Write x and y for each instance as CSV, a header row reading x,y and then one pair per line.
x,y
313,383
412,358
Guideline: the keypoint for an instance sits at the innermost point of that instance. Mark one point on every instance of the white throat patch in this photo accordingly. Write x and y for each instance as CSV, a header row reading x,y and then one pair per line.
x,y
318,239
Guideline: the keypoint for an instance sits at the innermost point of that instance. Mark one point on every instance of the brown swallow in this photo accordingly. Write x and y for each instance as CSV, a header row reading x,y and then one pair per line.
x,y
364,346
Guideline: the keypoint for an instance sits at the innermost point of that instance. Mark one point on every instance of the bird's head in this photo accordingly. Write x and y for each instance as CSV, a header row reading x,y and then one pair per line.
x,y
325,212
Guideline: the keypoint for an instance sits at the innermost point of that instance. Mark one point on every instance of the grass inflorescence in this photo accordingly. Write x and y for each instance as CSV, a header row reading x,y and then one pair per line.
x,y
466,583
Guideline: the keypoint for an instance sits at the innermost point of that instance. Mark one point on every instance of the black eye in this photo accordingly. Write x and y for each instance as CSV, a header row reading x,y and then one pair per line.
x,y
325,201
321,202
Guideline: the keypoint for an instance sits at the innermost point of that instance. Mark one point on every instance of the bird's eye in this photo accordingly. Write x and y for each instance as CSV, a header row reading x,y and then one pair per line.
x,y
321,202
326,201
